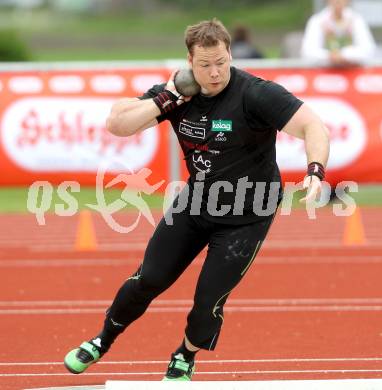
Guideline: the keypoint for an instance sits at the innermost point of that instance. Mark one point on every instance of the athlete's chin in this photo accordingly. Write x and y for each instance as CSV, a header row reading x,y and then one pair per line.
x,y
214,88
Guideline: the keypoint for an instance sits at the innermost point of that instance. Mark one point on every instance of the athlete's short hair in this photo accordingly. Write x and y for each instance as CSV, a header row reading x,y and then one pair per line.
x,y
207,33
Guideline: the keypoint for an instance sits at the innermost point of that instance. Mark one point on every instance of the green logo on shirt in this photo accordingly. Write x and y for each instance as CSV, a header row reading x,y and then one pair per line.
x,y
221,125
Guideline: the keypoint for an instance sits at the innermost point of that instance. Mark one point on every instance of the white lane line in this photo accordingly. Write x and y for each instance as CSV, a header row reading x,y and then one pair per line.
x,y
61,303
202,373
180,302
115,242
66,263
106,247
332,259
229,361
231,384
227,309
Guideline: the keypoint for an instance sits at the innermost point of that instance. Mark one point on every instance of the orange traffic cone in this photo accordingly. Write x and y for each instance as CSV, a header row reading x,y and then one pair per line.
x,y
85,237
354,233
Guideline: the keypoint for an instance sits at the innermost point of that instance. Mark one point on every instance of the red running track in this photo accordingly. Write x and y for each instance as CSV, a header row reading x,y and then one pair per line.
x,y
310,308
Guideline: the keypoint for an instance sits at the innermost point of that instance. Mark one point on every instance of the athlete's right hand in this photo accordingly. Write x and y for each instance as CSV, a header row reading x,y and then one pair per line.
x,y
312,185
170,86
170,98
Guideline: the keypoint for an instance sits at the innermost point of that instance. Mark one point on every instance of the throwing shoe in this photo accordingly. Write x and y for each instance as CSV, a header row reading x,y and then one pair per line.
x,y
178,369
79,359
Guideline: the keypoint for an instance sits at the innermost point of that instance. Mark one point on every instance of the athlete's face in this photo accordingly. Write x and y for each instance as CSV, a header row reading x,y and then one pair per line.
x,y
211,67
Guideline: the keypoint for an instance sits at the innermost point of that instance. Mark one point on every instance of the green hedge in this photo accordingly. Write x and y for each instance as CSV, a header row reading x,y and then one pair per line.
x,y
12,48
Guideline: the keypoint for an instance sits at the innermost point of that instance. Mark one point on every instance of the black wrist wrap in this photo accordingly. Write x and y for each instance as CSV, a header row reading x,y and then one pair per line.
x,y
316,169
166,101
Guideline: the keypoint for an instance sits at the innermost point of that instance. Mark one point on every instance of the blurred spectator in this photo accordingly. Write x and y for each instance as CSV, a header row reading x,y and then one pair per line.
x,y
338,36
241,45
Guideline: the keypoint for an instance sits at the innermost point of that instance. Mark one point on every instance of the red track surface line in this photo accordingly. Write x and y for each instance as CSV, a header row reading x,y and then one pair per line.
x,y
270,260
201,361
263,281
188,302
301,254
186,309
200,373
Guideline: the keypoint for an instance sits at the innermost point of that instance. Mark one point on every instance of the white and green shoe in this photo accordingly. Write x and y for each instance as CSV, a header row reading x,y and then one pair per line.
x,y
79,359
178,369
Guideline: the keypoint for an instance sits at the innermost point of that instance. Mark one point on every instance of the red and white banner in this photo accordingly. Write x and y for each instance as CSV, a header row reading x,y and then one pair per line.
x,y
53,126
53,123
349,101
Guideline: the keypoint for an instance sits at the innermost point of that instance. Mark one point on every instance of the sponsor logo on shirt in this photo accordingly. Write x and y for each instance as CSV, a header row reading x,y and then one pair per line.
x,y
200,147
201,164
191,131
220,137
192,145
203,119
192,123
221,125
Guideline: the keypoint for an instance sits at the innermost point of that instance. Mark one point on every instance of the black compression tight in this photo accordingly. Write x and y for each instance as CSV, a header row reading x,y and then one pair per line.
x,y
231,251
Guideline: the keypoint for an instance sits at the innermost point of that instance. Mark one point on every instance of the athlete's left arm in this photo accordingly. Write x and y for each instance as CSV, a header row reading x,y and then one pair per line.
x,y
305,124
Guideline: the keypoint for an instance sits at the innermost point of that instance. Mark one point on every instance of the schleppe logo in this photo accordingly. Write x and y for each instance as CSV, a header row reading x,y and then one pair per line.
x,y
69,134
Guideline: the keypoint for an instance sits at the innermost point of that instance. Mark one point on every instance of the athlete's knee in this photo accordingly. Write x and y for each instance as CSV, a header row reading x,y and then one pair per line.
x,y
153,281
207,312
139,287
208,303
146,279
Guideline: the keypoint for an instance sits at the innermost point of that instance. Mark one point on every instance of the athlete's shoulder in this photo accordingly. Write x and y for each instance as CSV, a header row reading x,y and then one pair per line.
x,y
242,75
244,81
250,80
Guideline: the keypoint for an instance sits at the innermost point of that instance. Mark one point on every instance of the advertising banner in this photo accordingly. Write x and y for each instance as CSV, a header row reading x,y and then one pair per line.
x,y
52,123
53,126
349,101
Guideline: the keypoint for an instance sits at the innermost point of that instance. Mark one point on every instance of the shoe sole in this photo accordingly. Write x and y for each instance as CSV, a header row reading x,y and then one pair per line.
x,y
71,362
70,369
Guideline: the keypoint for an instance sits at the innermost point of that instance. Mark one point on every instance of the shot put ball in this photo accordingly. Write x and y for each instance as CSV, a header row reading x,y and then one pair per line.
x,y
185,83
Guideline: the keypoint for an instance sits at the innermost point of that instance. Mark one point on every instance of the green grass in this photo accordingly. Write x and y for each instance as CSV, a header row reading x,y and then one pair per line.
x,y
267,16
14,199
368,195
148,35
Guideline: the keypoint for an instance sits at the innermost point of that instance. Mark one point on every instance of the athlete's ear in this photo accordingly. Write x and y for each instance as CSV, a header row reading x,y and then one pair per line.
x,y
230,54
189,59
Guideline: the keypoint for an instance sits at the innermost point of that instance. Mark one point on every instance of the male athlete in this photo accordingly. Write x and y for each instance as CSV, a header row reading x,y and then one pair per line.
x,y
228,134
